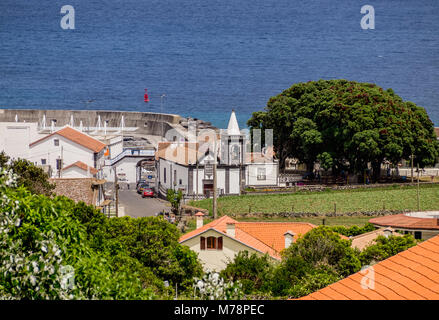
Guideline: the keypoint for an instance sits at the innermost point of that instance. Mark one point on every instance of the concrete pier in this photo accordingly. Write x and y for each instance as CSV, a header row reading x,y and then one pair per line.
x,y
148,123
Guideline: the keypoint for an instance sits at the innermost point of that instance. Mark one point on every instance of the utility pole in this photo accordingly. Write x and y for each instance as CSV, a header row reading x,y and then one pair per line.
x,y
417,166
412,166
116,191
196,148
214,208
161,110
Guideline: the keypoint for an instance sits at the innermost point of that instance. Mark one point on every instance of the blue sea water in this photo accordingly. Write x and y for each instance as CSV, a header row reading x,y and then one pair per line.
x,y
210,56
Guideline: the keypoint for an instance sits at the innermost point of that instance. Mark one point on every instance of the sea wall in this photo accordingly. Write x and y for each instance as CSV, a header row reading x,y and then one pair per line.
x,y
146,122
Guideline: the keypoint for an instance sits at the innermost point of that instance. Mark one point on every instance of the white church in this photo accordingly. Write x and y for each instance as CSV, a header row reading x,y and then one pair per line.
x,y
188,166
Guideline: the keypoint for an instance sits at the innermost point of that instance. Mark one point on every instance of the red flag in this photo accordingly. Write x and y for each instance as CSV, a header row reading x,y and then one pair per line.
x,y
145,96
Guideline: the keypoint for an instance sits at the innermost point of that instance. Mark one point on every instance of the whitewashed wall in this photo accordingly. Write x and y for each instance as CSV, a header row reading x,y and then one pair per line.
x,y
15,138
251,173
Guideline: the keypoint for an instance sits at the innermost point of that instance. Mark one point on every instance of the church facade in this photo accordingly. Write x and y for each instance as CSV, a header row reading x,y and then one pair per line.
x,y
189,165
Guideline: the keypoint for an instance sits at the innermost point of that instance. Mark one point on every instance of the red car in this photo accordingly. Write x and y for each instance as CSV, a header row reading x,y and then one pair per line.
x,y
147,193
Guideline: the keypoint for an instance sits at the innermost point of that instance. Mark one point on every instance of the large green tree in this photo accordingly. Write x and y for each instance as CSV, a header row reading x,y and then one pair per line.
x,y
347,125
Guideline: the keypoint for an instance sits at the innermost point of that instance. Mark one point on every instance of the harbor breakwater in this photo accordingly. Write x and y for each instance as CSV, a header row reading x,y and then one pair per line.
x,y
147,123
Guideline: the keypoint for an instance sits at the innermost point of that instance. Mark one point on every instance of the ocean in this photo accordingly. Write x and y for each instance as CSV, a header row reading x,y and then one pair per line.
x,y
209,56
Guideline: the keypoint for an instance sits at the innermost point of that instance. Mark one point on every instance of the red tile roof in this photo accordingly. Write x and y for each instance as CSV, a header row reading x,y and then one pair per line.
x,y
410,275
272,233
82,166
403,221
77,137
266,237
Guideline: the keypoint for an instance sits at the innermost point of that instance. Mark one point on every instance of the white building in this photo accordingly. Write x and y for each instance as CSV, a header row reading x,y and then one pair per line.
x,y
68,151
15,138
188,165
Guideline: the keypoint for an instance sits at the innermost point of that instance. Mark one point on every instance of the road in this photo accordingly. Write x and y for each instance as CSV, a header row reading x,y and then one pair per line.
x,y
136,206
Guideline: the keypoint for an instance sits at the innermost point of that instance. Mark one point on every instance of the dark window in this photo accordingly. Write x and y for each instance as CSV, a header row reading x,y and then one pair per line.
x,y
43,161
211,243
56,142
164,175
220,243
202,243
418,235
58,164
180,182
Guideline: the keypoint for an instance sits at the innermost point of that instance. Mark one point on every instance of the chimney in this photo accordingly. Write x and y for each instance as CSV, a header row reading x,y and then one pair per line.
x,y
230,229
199,216
289,238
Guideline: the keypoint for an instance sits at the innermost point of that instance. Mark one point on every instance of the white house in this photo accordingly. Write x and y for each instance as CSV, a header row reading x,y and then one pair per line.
x,y
68,151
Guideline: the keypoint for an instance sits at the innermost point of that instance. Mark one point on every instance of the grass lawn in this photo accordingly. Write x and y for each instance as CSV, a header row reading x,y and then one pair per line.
x,y
390,198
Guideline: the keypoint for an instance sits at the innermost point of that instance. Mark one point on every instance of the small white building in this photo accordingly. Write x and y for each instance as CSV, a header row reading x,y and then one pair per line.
x,y
68,151
15,138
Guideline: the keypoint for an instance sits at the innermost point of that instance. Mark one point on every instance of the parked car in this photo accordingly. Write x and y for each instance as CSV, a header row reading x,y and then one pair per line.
x,y
142,181
147,192
141,187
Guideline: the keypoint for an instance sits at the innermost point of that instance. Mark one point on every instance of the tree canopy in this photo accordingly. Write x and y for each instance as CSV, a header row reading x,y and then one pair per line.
x,y
346,125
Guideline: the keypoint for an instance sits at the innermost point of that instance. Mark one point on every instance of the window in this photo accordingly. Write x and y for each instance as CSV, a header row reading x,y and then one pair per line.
x,y
58,164
43,161
261,174
164,175
180,182
418,235
56,142
211,243
175,177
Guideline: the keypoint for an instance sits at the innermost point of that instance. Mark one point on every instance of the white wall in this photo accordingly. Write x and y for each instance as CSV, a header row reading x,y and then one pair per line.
x,y
116,146
181,173
251,174
15,138
75,172
213,259
234,181
127,166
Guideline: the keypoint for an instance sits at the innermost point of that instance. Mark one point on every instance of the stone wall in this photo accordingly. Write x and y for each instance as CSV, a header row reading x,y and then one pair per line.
x,y
77,189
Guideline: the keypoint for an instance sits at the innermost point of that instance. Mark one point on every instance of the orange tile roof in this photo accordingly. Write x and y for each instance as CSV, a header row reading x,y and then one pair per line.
x,y
272,233
410,275
77,137
267,237
82,166
403,221
183,153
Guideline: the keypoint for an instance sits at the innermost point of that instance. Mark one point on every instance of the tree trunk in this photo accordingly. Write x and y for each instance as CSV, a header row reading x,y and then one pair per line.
x,y
376,166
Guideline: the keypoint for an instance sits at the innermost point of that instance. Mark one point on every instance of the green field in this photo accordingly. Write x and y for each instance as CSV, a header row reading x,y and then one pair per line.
x,y
355,200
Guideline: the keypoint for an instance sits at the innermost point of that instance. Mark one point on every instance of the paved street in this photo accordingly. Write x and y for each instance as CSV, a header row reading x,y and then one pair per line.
x,y
136,206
